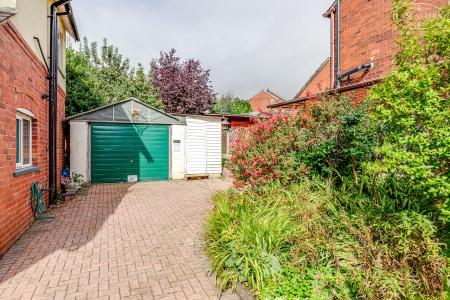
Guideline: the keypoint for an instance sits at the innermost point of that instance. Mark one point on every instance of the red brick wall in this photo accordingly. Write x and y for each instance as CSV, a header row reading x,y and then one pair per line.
x,y
22,84
237,124
368,35
260,101
320,83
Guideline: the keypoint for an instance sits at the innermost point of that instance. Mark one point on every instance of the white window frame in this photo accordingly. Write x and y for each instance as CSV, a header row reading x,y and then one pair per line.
x,y
19,162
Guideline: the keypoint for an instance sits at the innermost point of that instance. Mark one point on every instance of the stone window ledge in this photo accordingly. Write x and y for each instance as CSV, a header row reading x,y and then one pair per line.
x,y
26,170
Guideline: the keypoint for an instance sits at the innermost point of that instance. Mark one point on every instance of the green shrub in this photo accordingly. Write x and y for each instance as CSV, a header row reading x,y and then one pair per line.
x,y
302,241
353,199
310,283
340,137
289,285
412,107
334,140
246,240
266,152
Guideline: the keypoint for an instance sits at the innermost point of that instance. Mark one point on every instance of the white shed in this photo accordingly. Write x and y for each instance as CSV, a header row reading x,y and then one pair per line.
x,y
203,145
129,141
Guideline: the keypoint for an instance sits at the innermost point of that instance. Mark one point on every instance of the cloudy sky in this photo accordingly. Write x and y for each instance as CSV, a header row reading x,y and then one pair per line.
x,y
248,44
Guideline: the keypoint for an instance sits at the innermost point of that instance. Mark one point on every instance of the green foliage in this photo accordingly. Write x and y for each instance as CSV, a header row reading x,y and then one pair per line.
x,y
339,137
309,283
240,106
363,191
247,241
95,79
289,285
335,140
83,90
266,152
228,104
324,250
412,106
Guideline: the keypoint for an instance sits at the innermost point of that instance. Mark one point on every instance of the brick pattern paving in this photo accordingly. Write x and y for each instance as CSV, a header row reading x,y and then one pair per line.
x,y
133,241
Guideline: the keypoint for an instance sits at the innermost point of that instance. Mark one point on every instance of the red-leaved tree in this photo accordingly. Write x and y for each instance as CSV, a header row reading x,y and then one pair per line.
x,y
184,87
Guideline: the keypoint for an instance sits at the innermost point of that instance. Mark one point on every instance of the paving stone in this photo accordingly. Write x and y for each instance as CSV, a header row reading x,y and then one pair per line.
x,y
115,241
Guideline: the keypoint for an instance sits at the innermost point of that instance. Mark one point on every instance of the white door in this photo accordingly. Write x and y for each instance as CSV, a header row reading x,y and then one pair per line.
x,y
203,146
196,146
214,147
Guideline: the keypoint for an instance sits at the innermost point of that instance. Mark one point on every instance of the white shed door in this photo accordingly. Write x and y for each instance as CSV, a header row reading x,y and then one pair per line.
x,y
203,147
214,147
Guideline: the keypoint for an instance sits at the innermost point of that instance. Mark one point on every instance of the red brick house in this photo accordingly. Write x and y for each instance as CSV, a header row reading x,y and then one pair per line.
x,y
362,49
32,86
263,99
318,83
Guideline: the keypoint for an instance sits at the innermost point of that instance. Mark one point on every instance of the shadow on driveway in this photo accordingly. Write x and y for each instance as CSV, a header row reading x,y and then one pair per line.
x,y
116,240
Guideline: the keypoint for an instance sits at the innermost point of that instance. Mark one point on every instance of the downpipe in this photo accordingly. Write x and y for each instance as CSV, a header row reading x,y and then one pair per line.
x,y
338,43
53,100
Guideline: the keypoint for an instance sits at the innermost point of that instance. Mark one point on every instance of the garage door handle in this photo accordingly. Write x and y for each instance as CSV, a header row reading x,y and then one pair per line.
x,y
131,161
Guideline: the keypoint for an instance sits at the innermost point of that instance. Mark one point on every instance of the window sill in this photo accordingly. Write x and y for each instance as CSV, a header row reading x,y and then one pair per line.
x,y
25,170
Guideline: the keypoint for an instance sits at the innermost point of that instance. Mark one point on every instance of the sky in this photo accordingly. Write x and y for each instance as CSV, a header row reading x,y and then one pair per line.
x,y
248,45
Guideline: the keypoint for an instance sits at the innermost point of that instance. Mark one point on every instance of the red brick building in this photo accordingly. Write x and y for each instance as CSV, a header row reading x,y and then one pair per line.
x,y
24,108
362,48
318,83
263,99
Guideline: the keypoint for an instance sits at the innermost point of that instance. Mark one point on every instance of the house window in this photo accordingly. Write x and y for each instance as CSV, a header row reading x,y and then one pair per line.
x,y
24,141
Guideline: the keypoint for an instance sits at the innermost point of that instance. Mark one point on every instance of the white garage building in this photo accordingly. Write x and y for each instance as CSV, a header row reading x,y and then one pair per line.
x,y
131,141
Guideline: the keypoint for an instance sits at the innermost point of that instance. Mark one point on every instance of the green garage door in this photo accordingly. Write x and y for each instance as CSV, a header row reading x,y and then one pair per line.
x,y
121,150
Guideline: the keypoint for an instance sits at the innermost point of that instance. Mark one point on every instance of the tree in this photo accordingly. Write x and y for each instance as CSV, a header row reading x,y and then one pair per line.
x,y
184,87
228,104
240,106
222,105
412,106
95,79
141,87
83,89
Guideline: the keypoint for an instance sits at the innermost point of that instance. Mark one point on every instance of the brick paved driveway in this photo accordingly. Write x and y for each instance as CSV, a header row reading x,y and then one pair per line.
x,y
116,241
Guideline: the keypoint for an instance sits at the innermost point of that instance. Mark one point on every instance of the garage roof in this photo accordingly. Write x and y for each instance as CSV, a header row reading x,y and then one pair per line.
x,y
130,110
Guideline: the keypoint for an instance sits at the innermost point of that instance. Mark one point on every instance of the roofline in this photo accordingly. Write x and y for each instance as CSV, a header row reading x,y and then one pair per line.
x,y
331,9
115,103
313,76
125,122
194,115
340,90
273,94
72,21
269,92
242,116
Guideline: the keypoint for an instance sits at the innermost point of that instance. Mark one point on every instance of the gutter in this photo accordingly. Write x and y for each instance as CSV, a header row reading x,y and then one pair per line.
x,y
71,18
338,43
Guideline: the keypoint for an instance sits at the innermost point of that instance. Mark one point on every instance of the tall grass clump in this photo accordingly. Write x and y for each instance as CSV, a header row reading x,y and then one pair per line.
x,y
248,241
301,242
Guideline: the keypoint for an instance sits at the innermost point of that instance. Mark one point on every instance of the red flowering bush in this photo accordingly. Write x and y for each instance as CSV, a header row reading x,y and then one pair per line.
x,y
334,140
267,152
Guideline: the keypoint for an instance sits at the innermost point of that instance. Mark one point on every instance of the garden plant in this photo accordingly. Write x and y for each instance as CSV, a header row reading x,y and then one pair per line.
x,y
348,200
